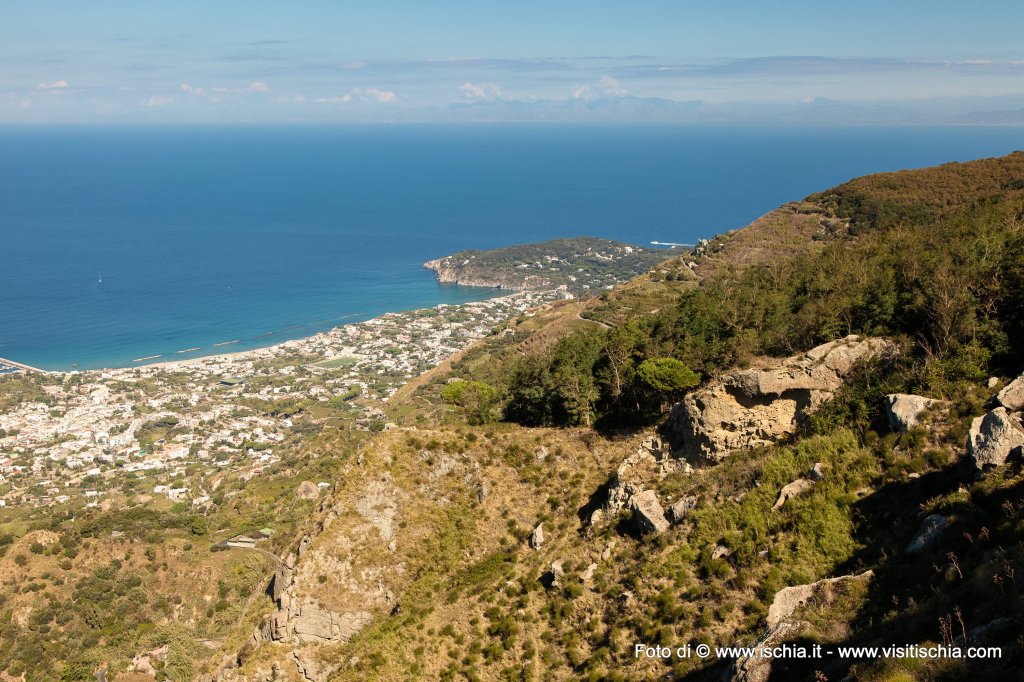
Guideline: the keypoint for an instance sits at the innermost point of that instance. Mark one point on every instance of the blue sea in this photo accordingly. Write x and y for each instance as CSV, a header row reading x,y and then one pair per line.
x,y
207,235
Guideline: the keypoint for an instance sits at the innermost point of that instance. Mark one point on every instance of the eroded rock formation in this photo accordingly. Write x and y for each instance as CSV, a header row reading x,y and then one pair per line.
x,y
753,407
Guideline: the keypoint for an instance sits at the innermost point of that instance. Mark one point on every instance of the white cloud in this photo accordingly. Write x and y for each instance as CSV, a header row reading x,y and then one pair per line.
x,y
185,87
257,86
581,91
156,101
361,95
480,90
381,96
56,85
343,99
611,87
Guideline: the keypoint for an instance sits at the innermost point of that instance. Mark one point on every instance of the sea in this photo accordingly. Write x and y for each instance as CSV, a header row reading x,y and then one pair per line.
x,y
126,245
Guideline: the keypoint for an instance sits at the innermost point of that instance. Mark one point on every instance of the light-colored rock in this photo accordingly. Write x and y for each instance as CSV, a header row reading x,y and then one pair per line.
x,y
681,507
307,490
904,410
540,453
756,668
930,530
753,407
311,667
1012,395
307,621
588,574
993,437
791,490
720,552
789,599
992,382
647,512
537,537
816,472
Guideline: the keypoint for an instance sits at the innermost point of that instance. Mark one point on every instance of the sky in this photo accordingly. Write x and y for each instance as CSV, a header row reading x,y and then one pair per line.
x,y
226,61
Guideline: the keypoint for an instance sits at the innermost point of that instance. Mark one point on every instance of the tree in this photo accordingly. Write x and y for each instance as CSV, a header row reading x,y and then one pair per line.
x,y
667,377
476,398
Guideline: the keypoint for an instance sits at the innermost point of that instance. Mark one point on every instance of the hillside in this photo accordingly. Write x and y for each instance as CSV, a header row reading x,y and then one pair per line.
x,y
804,432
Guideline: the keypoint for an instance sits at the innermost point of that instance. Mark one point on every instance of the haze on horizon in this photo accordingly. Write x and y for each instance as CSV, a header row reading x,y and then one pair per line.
x,y
799,62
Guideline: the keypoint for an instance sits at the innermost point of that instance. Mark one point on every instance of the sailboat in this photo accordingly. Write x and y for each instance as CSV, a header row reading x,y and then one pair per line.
x,y
100,280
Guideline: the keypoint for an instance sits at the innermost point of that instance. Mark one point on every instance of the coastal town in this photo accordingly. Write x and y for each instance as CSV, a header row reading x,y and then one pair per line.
x,y
178,430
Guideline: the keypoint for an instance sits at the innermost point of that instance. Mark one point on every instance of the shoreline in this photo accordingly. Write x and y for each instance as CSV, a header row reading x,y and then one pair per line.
x,y
274,350
145,362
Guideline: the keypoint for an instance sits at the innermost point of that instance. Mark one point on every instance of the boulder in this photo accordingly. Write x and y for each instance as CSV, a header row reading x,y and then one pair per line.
x,y
720,552
681,507
753,407
537,536
789,599
816,472
588,574
307,490
791,490
993,437
647,511
904,410
930,530
1012,395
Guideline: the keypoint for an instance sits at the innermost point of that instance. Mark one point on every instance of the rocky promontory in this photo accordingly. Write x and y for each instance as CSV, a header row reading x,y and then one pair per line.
x,y
578,265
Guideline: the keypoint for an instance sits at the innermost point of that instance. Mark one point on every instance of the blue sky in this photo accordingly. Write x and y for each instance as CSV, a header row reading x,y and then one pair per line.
x,y
255,60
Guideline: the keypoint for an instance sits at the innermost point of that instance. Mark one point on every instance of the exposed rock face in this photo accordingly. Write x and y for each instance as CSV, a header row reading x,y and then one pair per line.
x,y
647,512
993,437
755,668
307,490
930,530
306,621
904,410
791,490
816,472
789,599
1012,395
681,507
751,407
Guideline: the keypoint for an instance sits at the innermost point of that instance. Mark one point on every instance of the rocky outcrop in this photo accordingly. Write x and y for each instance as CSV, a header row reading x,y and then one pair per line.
x,y
791,490
681,507
822,592
304,620
1012,395
537,537
651,462
647,512
994,437
752,407
930,530
307,490
904,410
